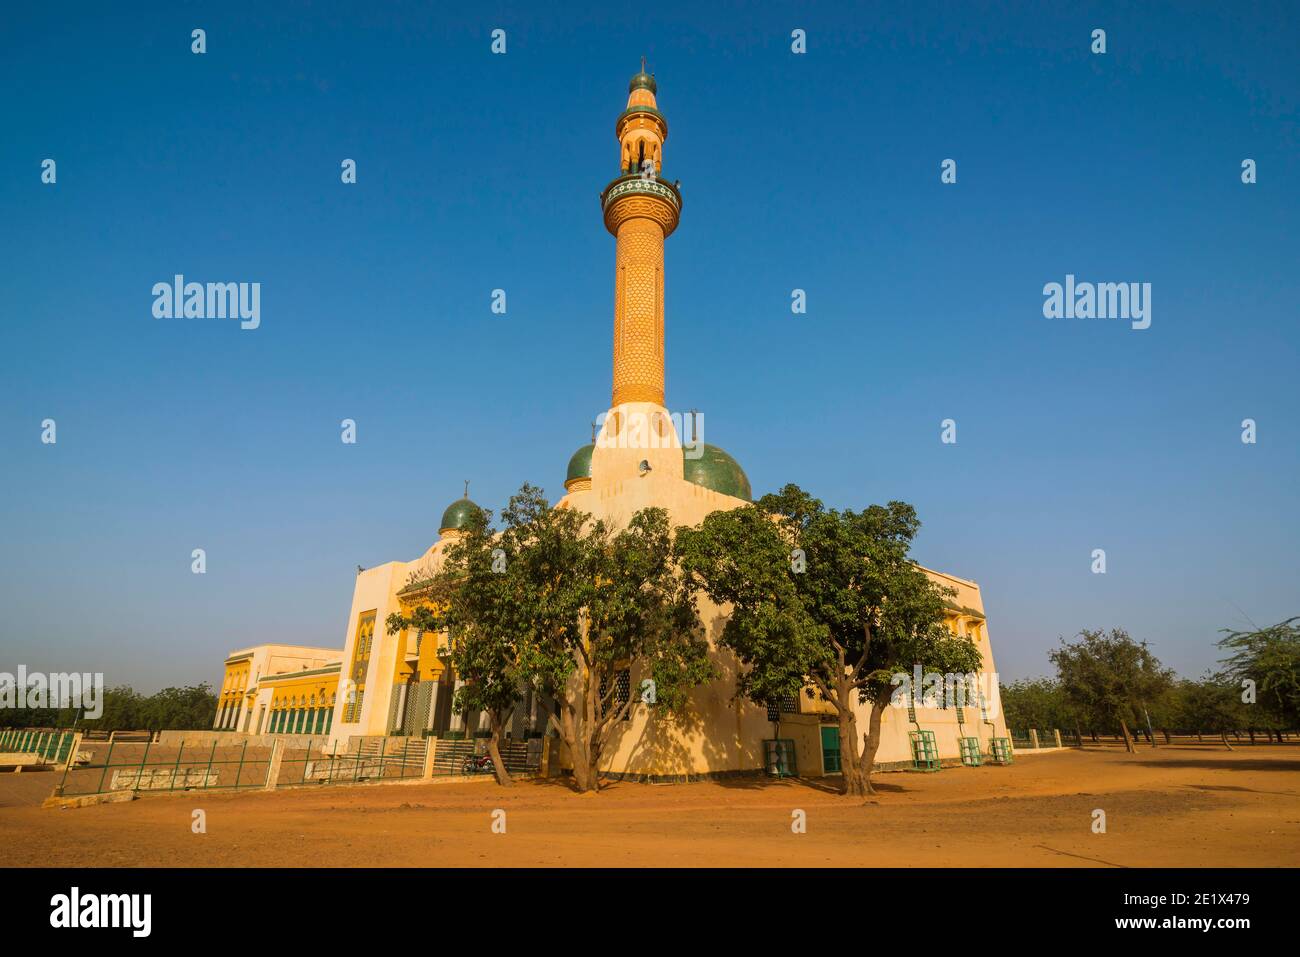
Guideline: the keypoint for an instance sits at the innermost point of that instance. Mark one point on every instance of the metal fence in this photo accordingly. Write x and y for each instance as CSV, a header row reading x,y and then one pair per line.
x,y
134,766
111,766
50,746
103,764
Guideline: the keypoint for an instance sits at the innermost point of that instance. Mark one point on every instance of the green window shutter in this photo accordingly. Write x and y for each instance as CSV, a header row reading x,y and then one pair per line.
x,y
830,749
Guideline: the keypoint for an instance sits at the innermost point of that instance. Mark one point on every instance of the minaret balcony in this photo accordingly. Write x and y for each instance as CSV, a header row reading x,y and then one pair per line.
x,y
634,185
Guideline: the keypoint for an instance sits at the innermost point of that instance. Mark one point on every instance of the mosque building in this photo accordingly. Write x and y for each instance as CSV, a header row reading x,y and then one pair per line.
x,y
403,684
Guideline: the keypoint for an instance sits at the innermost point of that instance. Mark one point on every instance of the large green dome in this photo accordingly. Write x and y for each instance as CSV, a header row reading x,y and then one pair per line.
x,y
579,465
717,470
459,514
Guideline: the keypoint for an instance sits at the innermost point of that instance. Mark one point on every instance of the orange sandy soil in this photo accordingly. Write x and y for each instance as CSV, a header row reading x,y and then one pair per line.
x,y
1185,805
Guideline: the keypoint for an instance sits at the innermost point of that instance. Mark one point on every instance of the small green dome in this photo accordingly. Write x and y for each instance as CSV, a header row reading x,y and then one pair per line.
x,y
643,81
717,470
579,465
459,514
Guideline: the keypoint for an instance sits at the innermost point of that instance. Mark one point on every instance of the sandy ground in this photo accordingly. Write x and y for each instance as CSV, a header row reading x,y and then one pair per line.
x,y
1185,805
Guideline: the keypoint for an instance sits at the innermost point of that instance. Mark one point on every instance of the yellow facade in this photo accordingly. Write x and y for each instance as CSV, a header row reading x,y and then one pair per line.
x,y
234,686
302,703
355,692
245,703
419,658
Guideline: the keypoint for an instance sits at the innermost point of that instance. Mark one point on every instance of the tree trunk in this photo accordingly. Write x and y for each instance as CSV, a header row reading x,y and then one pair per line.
x,y
494,749
852,781
871,744
584,779
1078,733
572,734
1165,732
1128,742
578,722
1224,735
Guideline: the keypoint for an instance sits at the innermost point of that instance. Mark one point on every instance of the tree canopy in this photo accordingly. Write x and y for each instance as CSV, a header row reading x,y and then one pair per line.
x,y
190,708
1270,659
824,602
558,601
1108,673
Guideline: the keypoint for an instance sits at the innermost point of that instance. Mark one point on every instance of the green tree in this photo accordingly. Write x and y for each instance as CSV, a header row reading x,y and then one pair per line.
x,y
1038,703
1108,673
1211,704
561,602
826,602
605,602
191,708
1270,659
472,600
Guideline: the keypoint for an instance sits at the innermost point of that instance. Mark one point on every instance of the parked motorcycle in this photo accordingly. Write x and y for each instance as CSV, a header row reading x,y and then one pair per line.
x,y
477,764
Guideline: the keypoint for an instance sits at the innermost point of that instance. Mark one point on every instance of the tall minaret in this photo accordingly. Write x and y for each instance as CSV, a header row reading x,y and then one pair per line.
x,y
641,210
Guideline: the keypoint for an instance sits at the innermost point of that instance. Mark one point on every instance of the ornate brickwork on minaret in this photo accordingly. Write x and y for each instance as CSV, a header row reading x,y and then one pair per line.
x,y
641,210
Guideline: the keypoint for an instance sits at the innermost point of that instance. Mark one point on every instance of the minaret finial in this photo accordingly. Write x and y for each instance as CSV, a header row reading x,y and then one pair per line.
x,y
643,63
466,488
593,431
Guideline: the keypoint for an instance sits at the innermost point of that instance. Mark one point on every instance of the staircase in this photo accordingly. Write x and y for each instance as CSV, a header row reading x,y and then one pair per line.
x,y
451,754
402,757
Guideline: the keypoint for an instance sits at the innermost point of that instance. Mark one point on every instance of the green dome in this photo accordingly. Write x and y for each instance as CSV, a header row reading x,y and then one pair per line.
x,y
643,81
717,470
459,514
579,465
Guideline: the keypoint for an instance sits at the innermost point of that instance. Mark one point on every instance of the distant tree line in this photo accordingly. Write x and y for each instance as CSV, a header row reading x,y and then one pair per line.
x,y
1106,682
190,708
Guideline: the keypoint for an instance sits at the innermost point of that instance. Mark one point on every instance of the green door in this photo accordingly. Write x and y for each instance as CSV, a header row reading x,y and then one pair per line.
x,y
830,750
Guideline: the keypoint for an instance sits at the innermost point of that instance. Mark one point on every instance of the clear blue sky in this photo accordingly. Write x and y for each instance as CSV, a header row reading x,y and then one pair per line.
x,y
477,172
